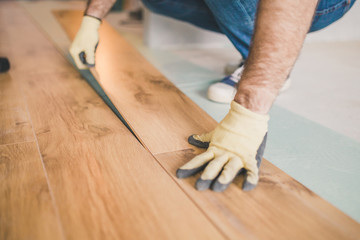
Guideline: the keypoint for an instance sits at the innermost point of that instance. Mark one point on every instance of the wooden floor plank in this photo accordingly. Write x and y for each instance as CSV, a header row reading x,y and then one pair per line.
x,y
162,117
144,88
106,185
15,126
26,208
280,207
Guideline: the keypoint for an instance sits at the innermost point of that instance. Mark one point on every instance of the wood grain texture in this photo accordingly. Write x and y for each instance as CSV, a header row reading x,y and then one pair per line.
x,y
279,208
162,117
15,126
132,83
26,207
106,185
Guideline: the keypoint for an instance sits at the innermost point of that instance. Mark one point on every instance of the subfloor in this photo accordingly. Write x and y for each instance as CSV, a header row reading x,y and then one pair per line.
x,y
314,130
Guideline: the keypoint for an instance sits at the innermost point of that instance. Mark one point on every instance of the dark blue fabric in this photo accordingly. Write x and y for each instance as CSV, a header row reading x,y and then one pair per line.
x,y
227,80
235,18
329,11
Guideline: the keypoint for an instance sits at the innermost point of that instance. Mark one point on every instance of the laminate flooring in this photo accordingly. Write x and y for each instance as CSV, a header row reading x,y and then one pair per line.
x,y
74,171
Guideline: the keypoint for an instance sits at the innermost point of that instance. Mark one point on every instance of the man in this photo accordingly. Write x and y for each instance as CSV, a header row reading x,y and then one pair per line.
x,y
269,35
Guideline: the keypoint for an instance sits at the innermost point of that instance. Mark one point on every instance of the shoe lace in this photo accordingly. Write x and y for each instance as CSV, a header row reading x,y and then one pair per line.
x,y
236,75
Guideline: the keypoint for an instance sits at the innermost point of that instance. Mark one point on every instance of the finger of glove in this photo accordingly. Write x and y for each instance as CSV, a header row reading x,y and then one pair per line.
x,y
252,175
231,170
75,56
211,171
197,143
90,58
195,165
200,140
260,151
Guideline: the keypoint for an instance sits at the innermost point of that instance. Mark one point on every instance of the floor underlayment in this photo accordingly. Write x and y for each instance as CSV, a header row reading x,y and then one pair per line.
x,y
314,133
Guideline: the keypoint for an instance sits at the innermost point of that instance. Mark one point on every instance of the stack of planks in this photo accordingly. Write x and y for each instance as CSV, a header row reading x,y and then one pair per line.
x,y
69,168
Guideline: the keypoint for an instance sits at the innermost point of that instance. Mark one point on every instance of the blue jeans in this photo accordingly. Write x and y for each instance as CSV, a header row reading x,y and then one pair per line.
x,y
235,18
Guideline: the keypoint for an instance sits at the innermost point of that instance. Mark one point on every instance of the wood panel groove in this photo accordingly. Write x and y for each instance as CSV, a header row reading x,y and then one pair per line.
x,y
14,124
163,118
106,185
9,144
26,207
51,192
147,90
201,209
279,195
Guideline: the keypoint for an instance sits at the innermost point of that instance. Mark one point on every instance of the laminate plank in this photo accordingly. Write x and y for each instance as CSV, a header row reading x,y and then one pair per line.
x,y
15,126
279,208
141,87
106,185
26,207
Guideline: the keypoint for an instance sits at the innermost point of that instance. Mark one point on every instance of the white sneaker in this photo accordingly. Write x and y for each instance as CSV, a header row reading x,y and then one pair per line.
x,y
225,90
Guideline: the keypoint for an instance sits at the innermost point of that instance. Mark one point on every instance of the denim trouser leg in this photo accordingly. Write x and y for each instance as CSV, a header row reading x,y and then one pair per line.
x,y
235,18
329,11
192,11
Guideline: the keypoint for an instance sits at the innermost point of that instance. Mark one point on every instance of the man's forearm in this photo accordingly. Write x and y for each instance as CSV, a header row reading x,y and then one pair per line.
x,y
280,30
99,8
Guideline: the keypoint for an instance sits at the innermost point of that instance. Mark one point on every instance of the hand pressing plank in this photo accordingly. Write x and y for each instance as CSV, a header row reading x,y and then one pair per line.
x,y
237,143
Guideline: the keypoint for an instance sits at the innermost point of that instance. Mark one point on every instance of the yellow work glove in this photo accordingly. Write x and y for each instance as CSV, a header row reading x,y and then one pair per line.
x,y
237,143
83,47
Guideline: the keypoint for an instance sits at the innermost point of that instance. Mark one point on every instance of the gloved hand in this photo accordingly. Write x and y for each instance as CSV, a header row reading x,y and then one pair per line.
x,y
83,47
237,143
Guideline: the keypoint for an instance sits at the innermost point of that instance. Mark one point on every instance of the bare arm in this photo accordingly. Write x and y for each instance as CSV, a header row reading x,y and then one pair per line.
x,y
99,8
280,30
